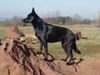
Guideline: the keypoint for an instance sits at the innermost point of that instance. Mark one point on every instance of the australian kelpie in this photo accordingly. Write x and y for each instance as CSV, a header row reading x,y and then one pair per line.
x,y
49,33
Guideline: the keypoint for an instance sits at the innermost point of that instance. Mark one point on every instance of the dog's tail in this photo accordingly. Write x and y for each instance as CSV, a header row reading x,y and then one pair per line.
x,y
76,49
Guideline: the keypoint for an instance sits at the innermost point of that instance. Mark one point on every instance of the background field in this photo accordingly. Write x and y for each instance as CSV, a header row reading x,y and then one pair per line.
x,y
89,47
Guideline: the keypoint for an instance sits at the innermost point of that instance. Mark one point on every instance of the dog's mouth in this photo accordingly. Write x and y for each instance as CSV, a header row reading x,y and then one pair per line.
x,y
26,21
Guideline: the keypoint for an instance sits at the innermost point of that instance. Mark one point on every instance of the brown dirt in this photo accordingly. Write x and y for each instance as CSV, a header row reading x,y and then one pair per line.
x,y
14,33
19,59
96,48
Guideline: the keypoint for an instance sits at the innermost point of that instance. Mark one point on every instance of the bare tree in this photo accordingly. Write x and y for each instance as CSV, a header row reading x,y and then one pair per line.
x,y
77,18
86,21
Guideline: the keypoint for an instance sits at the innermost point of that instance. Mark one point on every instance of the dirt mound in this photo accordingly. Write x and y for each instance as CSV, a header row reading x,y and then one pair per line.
x,y
14,33
89,67
19,59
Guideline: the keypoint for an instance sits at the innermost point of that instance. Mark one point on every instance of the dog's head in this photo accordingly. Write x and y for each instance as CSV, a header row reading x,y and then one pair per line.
x,y
30,18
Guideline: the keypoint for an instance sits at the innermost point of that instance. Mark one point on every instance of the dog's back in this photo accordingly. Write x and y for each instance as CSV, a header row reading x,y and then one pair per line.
x,y
56,33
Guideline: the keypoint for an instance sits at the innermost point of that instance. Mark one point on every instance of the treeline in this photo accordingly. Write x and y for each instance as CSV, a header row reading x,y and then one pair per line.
x,y
59,20
67,20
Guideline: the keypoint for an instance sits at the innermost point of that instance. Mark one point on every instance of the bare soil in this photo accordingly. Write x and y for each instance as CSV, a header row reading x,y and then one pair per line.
x,y
19,59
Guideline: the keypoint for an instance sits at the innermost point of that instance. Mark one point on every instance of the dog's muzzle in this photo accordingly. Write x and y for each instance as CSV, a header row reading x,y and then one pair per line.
x,y
24,20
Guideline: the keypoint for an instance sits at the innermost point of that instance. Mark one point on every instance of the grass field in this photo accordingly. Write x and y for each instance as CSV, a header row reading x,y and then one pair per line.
x,y
89,47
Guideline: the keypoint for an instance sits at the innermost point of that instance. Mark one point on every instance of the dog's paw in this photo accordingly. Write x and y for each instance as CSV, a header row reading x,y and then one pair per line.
x,y
70,63
46,59
78,52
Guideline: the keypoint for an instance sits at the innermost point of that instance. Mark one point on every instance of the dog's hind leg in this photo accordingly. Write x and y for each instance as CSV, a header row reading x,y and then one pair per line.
x,y
70,53
64,46
71,61
68,49
75,47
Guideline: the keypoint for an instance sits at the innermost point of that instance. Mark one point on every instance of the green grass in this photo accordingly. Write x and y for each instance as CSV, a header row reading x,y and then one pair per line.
x,y
87,47
2,31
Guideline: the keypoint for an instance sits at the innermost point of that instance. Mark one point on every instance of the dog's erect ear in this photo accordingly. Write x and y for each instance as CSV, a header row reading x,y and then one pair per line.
x,y
33,11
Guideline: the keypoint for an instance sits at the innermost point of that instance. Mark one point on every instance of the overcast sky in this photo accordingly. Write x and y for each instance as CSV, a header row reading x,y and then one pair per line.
x,y
85,8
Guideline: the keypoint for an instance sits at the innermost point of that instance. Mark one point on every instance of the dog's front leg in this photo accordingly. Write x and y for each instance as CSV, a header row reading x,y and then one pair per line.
x,y
45,51
41,47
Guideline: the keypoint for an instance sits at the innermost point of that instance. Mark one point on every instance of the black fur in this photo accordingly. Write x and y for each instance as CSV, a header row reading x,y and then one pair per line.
x,y
50,33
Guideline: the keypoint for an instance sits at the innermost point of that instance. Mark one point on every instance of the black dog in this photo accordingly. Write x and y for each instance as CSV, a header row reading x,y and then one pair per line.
x,y
50,33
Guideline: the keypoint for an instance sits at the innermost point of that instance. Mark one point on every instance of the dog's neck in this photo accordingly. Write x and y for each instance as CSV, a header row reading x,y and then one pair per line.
x,y
38,23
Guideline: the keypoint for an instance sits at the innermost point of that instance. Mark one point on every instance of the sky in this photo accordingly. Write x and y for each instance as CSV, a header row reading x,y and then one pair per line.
x,y
84,8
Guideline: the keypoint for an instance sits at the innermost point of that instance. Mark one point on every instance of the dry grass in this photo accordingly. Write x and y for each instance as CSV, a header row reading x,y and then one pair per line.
x,y
90,31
